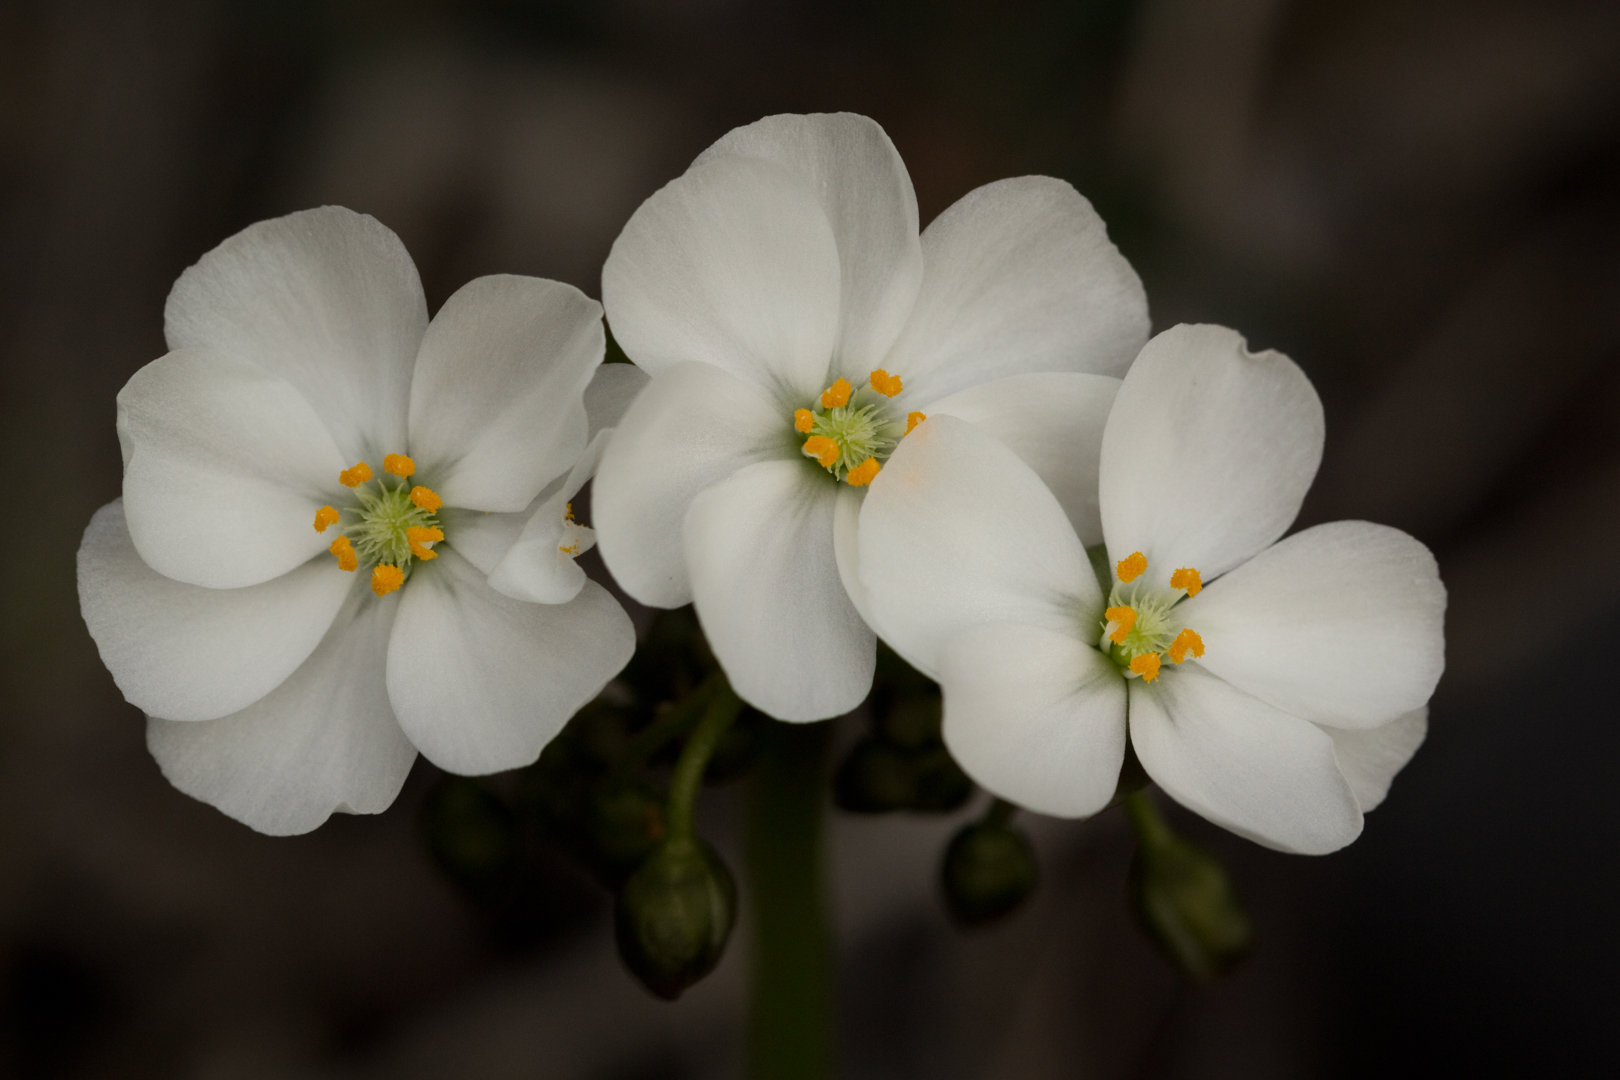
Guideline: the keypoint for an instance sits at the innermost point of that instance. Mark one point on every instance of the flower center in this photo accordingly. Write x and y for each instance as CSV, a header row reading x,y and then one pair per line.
x,y
1138,629
852,431
394,523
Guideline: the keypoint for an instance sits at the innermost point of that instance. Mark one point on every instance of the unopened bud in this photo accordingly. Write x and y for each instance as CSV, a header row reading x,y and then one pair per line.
x,y
942,786
674,915
624,824
876,778
989,871
1183,897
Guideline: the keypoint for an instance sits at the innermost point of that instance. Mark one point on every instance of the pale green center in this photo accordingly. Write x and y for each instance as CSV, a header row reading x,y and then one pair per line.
x,y
385,513
1153,630
860,431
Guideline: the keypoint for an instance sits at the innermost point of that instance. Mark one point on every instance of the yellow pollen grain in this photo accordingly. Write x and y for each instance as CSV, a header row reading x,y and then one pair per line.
x,y
326,515
862,474
803,421
385,579
835,396
398,464
568,511
1122,619
356,476
347,560
1131,566
418,537
1147,666
1186,641
886,384
426,499
1187,578
822,449
913,419
571,549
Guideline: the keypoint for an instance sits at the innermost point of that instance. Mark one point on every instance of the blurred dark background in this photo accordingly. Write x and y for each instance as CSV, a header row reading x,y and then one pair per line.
x,y
1419,200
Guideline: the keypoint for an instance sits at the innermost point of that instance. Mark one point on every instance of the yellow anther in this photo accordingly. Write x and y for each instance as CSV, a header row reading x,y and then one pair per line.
x,y
1187,578
913,419
1131,566
1186,642
398,464
418,537
862,474
803,421
426,498
326,515
1121,619
568,511
1147,666
886,384
385,579
571,549
835,396
822,449
347,560
356,476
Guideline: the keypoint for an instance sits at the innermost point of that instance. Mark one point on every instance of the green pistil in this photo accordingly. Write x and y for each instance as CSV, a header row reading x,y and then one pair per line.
x,y
385,514
1152,632
860,432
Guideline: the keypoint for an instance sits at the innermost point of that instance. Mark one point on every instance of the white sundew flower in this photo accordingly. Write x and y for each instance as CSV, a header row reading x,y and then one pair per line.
x,y
1274,687
344,534
796,327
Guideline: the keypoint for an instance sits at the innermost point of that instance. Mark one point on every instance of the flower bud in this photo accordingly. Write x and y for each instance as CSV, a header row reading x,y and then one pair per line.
x,y
1183,898
942,786
876,778
471,834
674,915
624,823
989,871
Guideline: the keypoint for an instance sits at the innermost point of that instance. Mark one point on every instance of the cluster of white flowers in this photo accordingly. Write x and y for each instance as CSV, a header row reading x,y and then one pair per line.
x,y
346,533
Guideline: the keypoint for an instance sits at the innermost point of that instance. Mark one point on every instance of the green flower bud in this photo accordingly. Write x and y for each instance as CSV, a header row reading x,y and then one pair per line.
x,y
1182,896
471,834
989,871
876,778
674,915
942,786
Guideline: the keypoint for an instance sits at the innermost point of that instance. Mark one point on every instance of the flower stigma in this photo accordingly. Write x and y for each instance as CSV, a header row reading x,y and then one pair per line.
x,y
853,430
1139,630
394,524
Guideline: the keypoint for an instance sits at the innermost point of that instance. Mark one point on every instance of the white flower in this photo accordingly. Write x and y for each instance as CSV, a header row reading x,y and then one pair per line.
x,y
796,327
1273,687
317,482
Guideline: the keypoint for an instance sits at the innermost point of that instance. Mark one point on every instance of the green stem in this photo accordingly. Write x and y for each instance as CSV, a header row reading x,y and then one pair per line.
x,y
1149,825
723,707
790,1027
673,723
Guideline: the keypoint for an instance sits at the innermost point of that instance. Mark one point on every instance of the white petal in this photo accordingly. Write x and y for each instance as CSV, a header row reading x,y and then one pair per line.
x,y
497,404
327,299
733,264
227,467
691,426
765,581
957,531
481,682
847,549
481,537
1208,453
188,653
1035,717
323,741
1341,624
865,191
1242,764
613,387
540,565
1019,276
1370,759
1054,422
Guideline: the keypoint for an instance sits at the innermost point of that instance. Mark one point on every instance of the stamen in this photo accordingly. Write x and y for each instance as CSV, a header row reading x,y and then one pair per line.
x,y
569,549
862,474
568,511
356,476
385,579
419,537
326,515
1187,578
1120,621
1186,641
347,560
886,384
1147,666
913,419
835,396
398,464
426,498
803,420
822,449
1131,566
